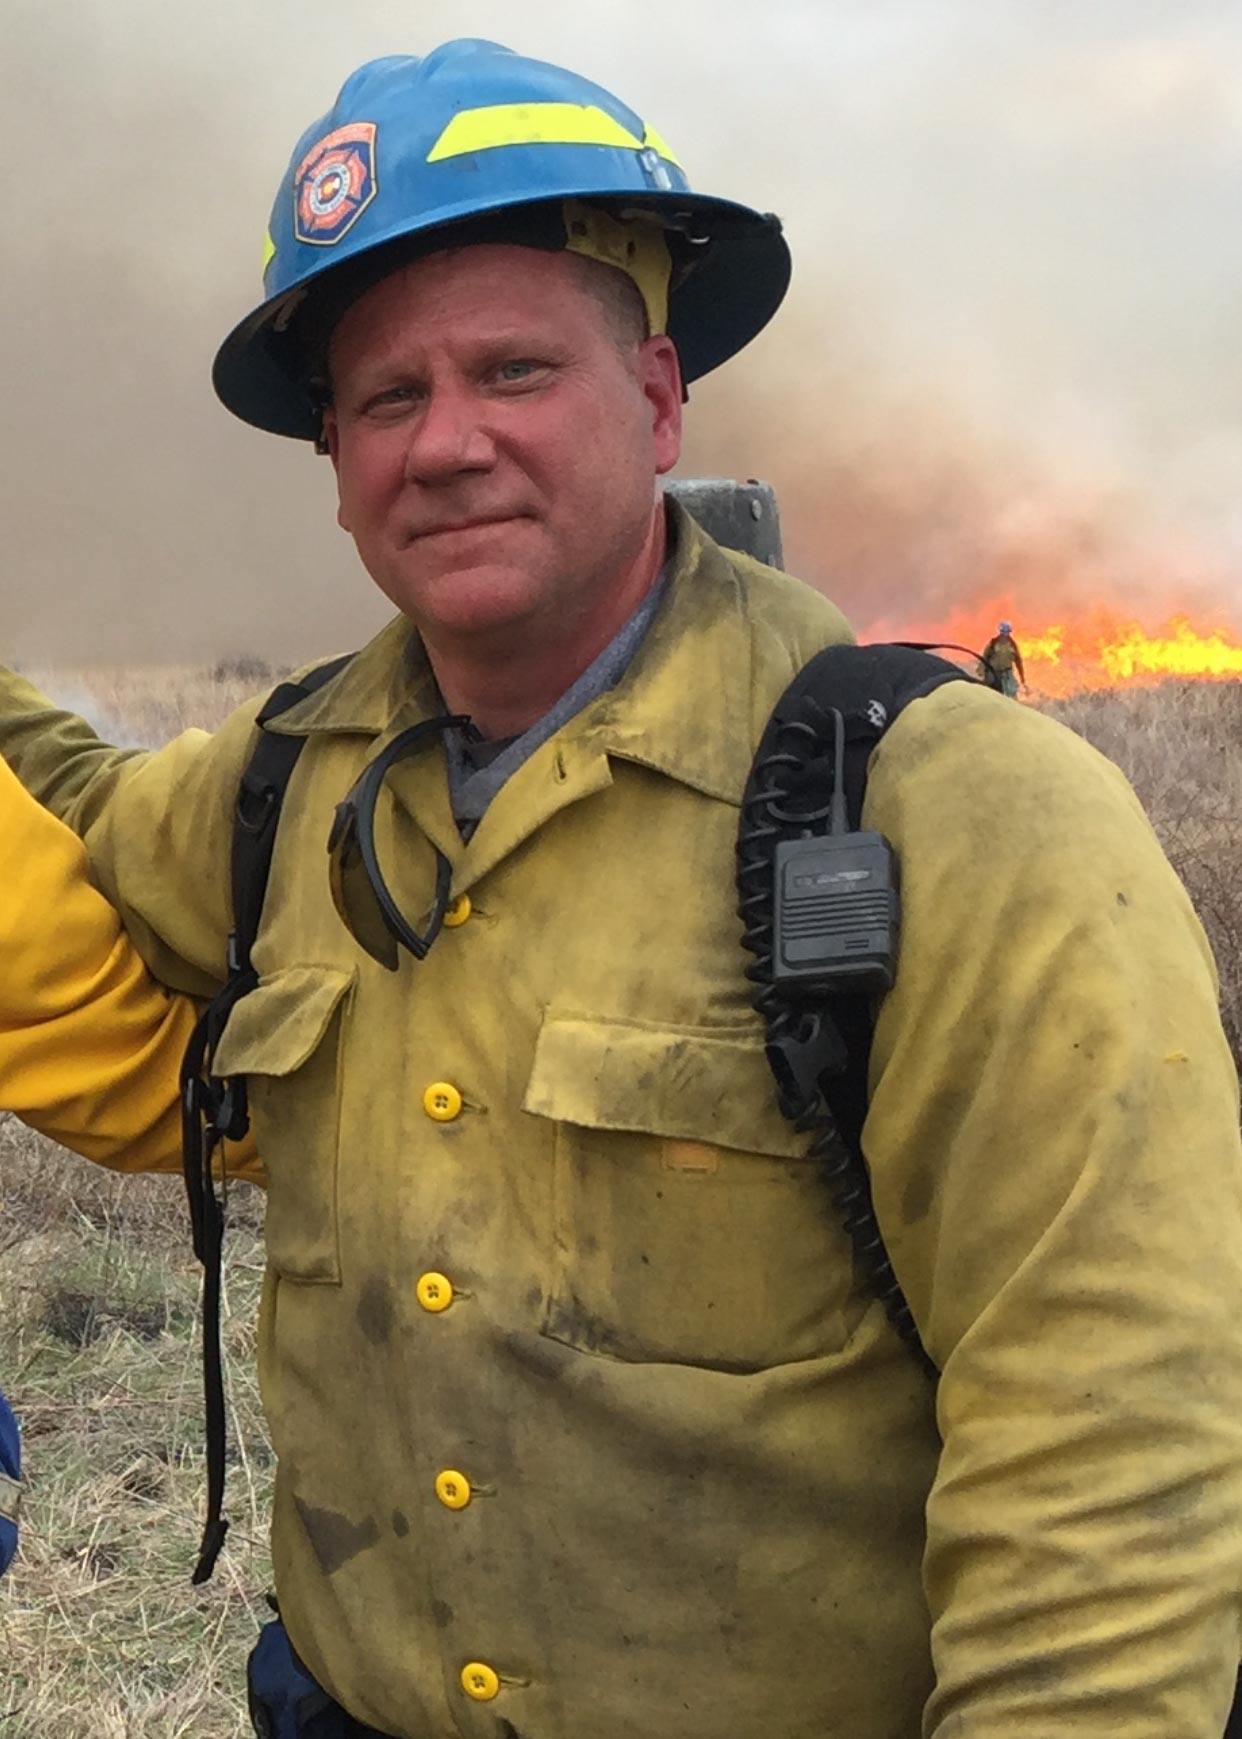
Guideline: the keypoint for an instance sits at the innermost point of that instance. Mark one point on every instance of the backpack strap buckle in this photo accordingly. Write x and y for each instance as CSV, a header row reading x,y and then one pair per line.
x,y
800,1057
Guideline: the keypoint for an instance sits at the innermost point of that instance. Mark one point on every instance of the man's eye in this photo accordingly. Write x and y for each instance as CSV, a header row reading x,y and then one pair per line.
x,y
392,397
518,370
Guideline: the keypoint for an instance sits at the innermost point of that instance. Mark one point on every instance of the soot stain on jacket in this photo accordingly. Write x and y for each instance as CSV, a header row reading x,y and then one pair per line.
x,y
570,1321
918,1196
334,1537
375,1309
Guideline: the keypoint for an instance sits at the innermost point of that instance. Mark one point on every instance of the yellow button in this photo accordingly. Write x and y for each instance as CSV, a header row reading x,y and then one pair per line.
x,y
442,1101
453,1489
480,1681
434,1292
457,911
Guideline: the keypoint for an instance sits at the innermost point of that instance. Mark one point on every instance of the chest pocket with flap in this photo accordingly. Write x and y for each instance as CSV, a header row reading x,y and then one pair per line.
x,y
285,1037
688,1227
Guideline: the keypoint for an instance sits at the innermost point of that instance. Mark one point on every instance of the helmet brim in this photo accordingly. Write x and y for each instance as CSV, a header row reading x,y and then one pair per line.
x,y
735,281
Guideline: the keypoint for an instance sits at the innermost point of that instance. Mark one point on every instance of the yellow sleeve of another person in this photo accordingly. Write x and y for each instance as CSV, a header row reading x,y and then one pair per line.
x,y
90,1044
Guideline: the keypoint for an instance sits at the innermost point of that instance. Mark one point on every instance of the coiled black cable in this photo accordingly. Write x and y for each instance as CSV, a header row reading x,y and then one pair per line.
x,y
830,1040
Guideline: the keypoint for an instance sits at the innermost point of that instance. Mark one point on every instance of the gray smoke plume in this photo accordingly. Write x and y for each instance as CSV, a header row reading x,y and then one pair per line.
x,y
1008,365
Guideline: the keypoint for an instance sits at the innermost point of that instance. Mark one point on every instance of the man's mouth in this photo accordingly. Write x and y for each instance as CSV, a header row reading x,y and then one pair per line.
x,y
454,527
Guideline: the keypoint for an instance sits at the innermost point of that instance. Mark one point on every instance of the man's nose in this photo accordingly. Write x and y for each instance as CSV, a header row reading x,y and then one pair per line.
x,y
449,437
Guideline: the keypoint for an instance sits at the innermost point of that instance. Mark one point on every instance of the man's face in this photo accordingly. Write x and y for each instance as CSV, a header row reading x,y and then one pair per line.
x,y
496,441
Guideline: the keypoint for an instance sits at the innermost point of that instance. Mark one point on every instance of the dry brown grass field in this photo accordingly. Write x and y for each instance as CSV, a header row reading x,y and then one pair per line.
x,y
101,1636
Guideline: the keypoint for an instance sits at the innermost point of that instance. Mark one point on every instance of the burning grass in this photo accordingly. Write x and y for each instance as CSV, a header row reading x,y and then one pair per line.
x,y
101,1635
1066,653
1105,650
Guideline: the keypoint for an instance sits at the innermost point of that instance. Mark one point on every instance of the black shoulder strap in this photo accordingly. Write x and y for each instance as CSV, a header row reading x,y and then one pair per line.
x,y
259,799
820,1052
214,1110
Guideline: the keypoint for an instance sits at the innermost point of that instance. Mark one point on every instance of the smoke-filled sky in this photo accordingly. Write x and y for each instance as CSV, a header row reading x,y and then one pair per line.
x,y
1008,367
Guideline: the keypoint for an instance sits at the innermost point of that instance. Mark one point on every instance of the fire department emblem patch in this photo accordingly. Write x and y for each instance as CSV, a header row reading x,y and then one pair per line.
x,y
334,183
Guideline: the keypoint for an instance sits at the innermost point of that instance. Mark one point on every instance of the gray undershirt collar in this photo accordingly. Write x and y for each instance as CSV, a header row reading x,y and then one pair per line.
x,y
478,768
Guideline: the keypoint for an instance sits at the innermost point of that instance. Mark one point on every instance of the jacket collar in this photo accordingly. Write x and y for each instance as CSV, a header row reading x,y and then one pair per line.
x,y
387,679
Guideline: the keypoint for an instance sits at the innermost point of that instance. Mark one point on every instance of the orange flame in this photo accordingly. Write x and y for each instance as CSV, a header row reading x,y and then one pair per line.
x,y
1109,654
1097,649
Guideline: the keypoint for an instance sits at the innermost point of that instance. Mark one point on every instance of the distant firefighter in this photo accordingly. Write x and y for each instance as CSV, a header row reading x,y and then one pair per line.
x,y
1001,660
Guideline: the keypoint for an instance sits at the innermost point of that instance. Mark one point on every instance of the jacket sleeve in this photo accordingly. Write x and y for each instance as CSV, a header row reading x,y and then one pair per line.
x,y
157,824
90,1045
1054,1144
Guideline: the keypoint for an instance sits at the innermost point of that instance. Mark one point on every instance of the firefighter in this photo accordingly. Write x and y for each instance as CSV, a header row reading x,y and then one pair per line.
x,y
584,1423
1001,657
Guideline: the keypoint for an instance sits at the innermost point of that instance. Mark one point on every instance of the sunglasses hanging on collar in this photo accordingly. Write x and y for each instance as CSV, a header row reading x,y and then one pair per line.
x,y
360,890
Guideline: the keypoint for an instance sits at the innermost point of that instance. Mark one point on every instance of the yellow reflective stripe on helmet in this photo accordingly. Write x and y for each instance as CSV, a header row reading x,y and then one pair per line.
x,y
659,144
530,124
269,252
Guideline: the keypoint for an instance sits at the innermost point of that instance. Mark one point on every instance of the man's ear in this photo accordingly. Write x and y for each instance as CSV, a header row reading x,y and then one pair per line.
x,y
660,377
329,442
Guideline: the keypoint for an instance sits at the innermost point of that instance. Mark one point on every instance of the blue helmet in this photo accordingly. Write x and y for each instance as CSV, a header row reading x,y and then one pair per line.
x,y
474,142
1004,628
